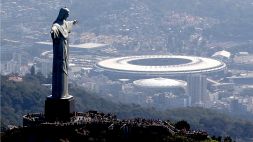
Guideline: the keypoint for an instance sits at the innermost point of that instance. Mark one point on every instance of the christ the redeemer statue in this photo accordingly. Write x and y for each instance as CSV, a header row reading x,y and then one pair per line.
x,y
60,105
60,33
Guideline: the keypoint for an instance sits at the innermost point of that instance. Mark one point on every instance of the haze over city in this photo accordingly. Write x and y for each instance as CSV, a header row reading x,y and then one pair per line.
x,y
159,55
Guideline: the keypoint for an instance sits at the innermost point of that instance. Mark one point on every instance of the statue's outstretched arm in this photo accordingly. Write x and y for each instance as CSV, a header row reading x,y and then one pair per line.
x,y
69,25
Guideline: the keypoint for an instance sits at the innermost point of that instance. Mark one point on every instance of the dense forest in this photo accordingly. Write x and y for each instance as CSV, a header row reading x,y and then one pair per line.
x,y
28,96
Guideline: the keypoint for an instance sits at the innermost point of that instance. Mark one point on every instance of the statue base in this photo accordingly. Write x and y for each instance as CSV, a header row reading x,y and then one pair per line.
x,y
59,109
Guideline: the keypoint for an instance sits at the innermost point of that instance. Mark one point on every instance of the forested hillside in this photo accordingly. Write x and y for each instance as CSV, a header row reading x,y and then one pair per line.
x,y
19,98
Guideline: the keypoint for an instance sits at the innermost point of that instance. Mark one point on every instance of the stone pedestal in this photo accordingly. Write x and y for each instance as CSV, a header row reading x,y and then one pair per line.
x,y
59,109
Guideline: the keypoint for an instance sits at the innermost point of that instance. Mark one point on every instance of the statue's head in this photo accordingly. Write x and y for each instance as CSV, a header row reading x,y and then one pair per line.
x,y
63,14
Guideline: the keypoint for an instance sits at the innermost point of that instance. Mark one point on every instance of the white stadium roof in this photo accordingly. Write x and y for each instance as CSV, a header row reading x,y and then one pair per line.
x,y
160,83
172,65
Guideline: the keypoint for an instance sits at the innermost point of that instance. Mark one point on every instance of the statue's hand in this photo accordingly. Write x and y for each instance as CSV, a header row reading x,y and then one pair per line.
x,y
75,22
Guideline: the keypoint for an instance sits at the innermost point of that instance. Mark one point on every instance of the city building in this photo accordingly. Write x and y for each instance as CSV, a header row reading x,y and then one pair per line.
x,y
43,65
160,93
197,89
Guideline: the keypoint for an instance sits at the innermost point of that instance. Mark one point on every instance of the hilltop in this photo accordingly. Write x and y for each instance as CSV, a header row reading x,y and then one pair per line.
x,y
94,126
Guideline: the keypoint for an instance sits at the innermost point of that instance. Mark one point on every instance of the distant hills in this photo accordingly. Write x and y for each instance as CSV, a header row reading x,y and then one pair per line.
x,y
32,19
145,24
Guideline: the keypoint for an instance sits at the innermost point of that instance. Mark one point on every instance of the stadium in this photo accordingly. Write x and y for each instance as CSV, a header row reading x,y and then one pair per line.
x,y
160,86
160,66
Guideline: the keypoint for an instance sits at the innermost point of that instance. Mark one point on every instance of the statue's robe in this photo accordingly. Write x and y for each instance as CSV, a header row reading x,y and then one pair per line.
x,y
60,32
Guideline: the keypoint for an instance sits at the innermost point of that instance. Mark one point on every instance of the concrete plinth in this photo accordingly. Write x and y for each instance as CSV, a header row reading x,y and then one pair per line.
x,y
59,109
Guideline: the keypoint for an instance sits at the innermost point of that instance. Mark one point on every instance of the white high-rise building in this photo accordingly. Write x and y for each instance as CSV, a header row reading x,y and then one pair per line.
x,y
197,89
12,67
44,65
